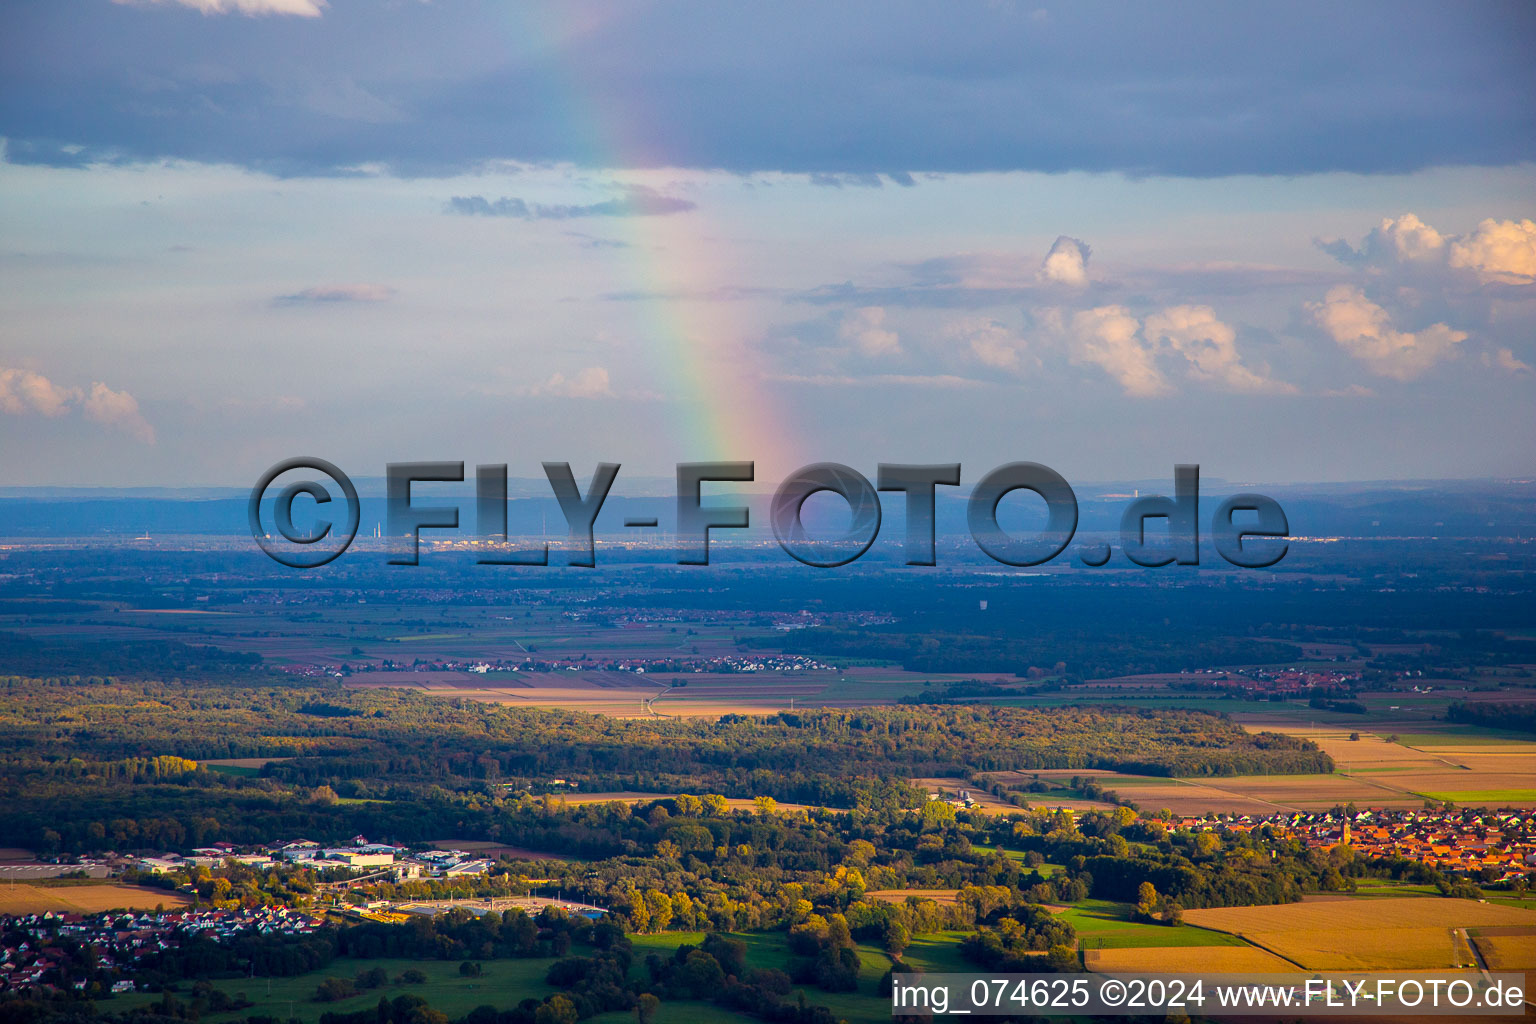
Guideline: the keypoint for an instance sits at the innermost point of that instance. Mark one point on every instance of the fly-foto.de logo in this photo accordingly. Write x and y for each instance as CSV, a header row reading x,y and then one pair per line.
x,y
1247,530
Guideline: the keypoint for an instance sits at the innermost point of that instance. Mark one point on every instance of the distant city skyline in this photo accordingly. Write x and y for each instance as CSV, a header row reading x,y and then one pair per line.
x,y
1289,244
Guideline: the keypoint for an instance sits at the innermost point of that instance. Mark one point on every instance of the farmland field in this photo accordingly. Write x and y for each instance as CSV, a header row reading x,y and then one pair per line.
x,y
735,803
1372,773
1486,796
1188,959
504,984
84,899
1506,952
1102,924
1375,934
901,895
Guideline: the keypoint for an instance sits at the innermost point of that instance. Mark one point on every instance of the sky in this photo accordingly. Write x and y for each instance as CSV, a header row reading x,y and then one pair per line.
x,y
1290,243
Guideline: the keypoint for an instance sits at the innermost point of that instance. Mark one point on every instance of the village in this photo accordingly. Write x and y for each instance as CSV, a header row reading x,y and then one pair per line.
x,y
377,860
1492,846
119,941
724,665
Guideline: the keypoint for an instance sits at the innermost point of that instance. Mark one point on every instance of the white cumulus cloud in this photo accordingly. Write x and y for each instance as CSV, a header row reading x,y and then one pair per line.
x,y
1210,347
1147,357
1499,248
865,330
991,343
1506,360
1066,263
1110,338
23,392
1364,330
119,410
26,393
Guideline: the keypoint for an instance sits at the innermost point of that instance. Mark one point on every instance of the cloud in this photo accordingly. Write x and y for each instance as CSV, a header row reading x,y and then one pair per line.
x,y
1210,348
1403,240
1149,91
479,206
829,380
589,383
340,293
827,180
250,8
1499,250
1505,359
1364,330
1503,249
1351,391
1110,338
118,409
637,201
587,241
991,343
1140,355
1066,263
25,392
865,330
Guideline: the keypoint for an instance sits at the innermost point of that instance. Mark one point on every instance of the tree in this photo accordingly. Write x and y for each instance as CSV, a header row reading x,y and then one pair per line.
x,y
646,1006
557,1009
659,904
332,989
1146,899
896,938
639,914
1061,957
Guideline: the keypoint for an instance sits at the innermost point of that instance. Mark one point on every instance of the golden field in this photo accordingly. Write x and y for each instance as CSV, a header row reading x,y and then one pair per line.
x,y
1508,952
84,899
1363,934
1188,960
900,895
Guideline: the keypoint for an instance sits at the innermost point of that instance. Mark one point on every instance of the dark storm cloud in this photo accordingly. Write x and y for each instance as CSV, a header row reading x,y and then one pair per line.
x,y
846,89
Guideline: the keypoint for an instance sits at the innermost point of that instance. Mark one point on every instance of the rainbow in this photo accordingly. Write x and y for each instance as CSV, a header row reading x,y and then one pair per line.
x,y
708,368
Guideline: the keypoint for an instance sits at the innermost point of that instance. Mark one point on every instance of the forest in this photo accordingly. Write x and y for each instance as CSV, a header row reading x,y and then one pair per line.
x,y
98,764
